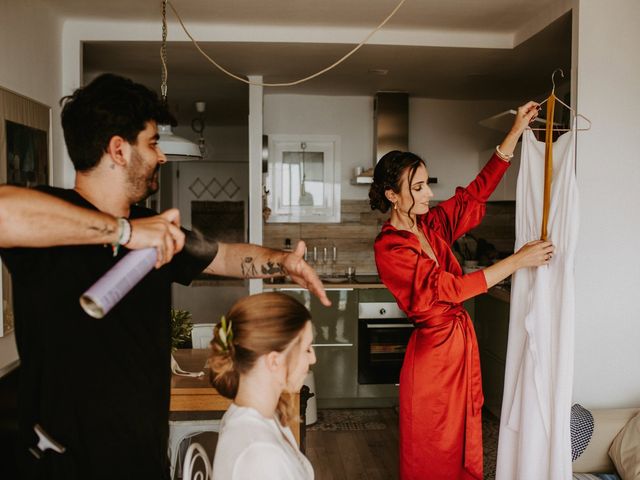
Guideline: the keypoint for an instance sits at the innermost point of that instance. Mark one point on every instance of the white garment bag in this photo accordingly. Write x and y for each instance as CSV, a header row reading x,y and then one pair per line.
x,y
534,442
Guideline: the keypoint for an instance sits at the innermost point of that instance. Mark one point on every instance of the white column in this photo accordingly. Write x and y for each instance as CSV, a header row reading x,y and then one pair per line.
x,y
255,169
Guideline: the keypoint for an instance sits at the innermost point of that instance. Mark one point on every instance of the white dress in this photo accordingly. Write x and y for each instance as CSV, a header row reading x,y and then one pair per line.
x,y
252,447
534,441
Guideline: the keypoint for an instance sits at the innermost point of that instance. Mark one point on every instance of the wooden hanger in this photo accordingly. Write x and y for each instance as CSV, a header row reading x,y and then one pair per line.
x,y
556,99
548,150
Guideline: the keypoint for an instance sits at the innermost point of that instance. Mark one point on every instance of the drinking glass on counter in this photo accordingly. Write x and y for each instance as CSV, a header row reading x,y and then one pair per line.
x,y
334,259
351,272
324,261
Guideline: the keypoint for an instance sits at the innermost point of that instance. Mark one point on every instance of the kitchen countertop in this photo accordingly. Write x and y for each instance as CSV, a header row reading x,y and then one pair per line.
x,y
340,283
499,292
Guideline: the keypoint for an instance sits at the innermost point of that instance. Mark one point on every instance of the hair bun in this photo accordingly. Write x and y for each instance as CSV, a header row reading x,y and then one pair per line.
x,y
377,199
224,376
387,176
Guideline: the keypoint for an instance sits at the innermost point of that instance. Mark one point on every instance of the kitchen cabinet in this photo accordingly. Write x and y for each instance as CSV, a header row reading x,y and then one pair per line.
x,y
492,329
335,343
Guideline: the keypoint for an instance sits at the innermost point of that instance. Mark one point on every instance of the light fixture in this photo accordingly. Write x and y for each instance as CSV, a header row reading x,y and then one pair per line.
x,y
197,125
176,149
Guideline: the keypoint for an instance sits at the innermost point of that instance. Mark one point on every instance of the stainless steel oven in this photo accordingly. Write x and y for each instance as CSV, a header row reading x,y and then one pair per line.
x,y
383,334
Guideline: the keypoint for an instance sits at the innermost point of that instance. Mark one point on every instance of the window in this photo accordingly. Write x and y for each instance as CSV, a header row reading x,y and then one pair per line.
x,y
303,179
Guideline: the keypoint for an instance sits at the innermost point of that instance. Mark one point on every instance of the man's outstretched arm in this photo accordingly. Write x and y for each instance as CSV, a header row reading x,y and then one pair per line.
x,y
30,218
245,260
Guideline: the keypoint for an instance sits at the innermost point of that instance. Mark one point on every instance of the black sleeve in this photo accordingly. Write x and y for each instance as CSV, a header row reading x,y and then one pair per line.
x,y
197,254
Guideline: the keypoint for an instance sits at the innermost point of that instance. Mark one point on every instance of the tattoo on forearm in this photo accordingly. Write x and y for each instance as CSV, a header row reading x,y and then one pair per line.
x,y
103,230
273,268
248,268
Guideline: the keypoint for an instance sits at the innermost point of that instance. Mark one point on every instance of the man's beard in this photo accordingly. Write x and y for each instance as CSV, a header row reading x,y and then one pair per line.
x,y
142,187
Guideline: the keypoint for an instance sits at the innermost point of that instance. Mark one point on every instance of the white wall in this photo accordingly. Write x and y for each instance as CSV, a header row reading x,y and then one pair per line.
x,y
225,143
30,66
444,132
349,117
30,55
607,359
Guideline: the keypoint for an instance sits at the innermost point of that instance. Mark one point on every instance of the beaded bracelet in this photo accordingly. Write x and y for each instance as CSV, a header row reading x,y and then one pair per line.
x,y
124,237
503,155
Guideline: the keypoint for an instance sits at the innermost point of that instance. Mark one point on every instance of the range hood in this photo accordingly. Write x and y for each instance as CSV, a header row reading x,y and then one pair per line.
x,y
391,123
390,130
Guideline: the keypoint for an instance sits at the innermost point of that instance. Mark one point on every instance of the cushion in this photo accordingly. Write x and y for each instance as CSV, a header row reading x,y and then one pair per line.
x,y
607,423
625,450
581,430
595,476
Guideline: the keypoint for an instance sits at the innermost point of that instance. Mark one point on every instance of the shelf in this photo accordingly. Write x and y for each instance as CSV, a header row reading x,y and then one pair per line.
x,y
366,181
503,121
362,180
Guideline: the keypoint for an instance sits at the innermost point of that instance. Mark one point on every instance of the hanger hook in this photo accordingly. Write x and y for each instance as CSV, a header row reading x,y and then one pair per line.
x,y
553,83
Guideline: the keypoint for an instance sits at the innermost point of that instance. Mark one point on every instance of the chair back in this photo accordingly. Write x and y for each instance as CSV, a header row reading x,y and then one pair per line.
x,y
194,453
202,334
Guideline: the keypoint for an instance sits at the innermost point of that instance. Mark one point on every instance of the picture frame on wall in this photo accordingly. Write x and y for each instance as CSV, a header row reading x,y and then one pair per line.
x,y
25,160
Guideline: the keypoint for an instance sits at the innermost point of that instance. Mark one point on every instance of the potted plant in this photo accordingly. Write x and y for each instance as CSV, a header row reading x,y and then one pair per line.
x,y
181,327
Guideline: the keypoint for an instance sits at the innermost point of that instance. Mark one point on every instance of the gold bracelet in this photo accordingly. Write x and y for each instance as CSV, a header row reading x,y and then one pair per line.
x,y
503,155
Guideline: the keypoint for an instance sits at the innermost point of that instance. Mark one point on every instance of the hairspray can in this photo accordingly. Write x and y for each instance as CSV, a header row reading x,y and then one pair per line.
x,y
103,295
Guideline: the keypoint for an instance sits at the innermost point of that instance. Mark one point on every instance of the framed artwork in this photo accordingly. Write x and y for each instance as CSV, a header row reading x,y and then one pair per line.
x,y
25,161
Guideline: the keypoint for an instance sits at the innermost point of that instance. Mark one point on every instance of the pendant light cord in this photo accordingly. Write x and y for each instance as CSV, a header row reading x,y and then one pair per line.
x,y
163,52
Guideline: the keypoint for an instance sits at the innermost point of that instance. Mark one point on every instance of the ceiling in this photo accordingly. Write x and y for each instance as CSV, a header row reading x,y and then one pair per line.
x,y
423,71
471,15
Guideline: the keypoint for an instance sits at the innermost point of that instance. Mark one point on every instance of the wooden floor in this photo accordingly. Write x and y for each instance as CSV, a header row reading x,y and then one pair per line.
x,y
367,454
359,454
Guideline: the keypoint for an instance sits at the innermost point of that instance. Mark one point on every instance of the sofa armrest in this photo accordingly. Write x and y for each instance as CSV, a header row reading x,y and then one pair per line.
x,y
606,425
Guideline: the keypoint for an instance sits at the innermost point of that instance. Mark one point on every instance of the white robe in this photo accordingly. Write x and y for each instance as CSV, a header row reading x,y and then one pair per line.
x,y
534,440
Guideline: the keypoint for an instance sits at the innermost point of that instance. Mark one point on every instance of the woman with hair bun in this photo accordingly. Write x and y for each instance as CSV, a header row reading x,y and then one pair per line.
x,y
261,355
440,384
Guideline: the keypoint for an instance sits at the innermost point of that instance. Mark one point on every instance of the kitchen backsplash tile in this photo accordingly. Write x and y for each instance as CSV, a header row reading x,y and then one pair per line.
x,y
359,226
353,236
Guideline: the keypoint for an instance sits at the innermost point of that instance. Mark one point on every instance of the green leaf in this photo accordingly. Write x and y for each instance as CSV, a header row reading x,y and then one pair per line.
x,y
181,326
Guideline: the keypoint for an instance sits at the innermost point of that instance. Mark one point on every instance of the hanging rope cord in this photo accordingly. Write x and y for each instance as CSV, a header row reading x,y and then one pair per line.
x,y
248,82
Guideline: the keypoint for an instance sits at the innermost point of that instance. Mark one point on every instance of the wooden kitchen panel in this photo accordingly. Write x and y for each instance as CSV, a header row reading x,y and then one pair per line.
x,y
354,206
337,231
275,234
281,229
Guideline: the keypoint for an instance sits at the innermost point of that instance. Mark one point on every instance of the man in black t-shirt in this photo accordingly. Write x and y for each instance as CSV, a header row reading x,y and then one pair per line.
x,y
100,388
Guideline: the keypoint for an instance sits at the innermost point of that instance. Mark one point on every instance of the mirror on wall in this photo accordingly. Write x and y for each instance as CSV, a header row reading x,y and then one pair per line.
x,y
303,179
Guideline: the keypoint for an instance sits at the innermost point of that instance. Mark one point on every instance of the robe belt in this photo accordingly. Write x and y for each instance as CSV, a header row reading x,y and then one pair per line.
x,y
474,395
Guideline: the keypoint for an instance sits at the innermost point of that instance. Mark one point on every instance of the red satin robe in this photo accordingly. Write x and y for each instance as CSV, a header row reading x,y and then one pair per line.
x,y
440,383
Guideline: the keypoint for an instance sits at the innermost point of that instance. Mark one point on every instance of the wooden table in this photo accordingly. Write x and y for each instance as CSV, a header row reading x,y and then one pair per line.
x,y
189,394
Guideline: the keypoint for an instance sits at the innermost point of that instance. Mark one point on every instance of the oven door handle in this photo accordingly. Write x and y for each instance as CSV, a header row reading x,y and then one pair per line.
x,y
389,325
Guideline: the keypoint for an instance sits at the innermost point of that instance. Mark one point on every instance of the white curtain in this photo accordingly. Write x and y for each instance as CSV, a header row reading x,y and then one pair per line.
x,y
534,440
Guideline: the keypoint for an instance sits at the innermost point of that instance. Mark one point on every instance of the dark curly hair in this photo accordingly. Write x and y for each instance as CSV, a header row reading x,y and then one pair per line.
x,y
108,106
387,175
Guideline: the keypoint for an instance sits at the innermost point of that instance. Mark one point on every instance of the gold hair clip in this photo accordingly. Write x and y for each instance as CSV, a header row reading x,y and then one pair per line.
x,y
225,334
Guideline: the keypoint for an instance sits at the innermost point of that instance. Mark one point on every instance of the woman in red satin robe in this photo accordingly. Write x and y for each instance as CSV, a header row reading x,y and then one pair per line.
x,y
440,384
